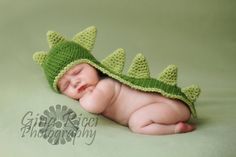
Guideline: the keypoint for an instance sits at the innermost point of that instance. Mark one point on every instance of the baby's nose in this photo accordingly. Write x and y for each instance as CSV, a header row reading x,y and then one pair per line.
x,y
75,82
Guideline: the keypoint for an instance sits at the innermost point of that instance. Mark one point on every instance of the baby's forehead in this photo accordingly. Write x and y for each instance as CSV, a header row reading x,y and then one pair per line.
x,y
81,65
76,66
71,69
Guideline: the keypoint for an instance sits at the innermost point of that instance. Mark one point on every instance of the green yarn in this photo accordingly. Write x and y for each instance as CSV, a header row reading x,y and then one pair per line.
x,y
86,38
115,61
54,38
192,92
65,54
169,75
139,67
39,57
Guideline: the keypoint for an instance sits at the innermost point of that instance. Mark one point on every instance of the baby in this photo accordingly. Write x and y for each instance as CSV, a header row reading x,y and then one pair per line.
x,y
146,105
145,113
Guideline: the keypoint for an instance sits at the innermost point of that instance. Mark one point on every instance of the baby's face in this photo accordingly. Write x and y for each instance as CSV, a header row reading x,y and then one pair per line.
x,y
79,78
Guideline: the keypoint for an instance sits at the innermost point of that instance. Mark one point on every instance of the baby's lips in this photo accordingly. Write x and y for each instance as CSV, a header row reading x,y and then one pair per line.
x,y
82,88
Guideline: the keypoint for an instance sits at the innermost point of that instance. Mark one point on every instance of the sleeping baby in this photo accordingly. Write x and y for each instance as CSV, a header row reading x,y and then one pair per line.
x,y
144,104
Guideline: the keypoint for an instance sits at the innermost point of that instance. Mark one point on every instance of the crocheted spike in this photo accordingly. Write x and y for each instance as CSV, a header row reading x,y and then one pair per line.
x,y
115,61
39,57
139,67
169,75
86,38
192,92
54,38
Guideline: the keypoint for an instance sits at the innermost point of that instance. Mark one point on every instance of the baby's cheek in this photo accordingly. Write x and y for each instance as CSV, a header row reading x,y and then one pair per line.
x,y
69,93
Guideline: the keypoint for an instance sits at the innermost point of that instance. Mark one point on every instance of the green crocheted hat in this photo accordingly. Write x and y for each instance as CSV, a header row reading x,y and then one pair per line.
x,y
64,54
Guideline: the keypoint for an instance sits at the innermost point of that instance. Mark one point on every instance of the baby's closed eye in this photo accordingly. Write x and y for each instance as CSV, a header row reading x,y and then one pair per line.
x,y
64,85
76,72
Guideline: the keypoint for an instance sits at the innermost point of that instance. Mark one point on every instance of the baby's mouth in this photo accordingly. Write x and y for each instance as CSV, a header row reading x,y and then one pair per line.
x,y
82,88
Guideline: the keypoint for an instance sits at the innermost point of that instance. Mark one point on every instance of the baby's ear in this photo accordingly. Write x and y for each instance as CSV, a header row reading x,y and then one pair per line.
x,y
86,38
39,57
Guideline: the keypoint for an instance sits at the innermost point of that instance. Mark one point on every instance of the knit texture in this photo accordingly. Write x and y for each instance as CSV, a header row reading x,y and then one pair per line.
x,y
64,54
139,67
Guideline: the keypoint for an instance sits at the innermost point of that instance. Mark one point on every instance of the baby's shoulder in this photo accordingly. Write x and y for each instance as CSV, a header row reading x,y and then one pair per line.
x,y
108,80
108,83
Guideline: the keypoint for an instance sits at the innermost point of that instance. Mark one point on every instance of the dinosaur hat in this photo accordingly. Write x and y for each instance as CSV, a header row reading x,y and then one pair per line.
x,y
65,54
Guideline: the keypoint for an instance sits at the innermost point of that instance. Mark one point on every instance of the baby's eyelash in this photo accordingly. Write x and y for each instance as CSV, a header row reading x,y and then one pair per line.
x,y
65,85
76,72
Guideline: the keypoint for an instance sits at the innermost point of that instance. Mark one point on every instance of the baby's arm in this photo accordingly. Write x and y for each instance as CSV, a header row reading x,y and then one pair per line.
x,y
96,100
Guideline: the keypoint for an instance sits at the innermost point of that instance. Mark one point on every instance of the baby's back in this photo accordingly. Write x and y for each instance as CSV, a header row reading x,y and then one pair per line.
x,y
127,100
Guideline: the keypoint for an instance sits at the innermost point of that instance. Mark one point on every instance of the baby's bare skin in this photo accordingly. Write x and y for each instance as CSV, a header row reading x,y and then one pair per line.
x,y
145,113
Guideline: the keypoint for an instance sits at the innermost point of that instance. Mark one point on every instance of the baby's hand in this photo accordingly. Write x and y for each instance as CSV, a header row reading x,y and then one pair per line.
x,y
96,98
90,89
